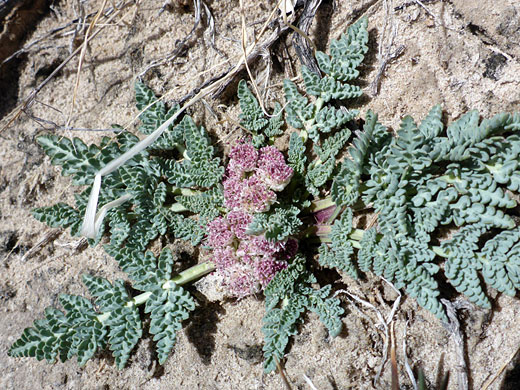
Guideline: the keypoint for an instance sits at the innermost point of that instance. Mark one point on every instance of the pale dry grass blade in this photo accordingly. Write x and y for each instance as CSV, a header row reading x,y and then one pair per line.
x,y
494,377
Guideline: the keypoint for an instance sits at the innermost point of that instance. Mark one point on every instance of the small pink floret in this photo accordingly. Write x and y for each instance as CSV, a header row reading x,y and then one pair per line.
x,y
272,168
265,270
243,157
239,220
219,233
233,192
256,197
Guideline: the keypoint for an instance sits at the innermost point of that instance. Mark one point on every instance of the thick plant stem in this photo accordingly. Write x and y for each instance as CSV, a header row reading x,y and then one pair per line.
x,y
321,204
184,277
323,234
191,274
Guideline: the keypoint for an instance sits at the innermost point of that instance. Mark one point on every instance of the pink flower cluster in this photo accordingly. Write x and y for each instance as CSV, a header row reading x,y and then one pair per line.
x,y
253,176
247,263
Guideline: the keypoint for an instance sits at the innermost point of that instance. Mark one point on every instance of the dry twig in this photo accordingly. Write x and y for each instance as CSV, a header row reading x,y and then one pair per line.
x,y
305,48
48,237
490,381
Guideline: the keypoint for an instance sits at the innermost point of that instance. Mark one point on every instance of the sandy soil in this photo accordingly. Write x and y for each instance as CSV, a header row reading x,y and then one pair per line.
x,y
462,54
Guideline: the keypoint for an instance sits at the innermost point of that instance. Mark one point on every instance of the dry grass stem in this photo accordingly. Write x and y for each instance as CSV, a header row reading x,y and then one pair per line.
x,y
407,367
393,359
309,382
281,372
493,378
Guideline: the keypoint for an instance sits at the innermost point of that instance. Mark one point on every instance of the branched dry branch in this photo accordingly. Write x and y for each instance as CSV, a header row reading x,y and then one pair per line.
x,y
54,127
383,323
230,75
32,46
198,6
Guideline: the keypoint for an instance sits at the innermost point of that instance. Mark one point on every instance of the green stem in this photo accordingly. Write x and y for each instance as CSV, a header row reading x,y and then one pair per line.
x,y
184,277
182,191
321,204
177,208
355,237
191,274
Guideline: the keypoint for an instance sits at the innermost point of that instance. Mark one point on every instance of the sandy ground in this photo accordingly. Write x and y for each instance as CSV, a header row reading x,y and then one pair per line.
x,y
462,54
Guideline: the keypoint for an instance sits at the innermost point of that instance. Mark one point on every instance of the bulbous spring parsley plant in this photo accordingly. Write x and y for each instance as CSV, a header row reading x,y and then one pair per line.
x,y
261,216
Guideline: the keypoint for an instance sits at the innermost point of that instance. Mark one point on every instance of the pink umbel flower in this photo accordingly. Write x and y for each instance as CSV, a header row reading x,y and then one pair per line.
x,y
248,194
272,168
239,220
220,234
243,158
255,196
248,263
253,177
233,192
265,270
224,258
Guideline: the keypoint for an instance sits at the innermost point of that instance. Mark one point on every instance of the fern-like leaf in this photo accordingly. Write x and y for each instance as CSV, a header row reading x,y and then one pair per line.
x,y
168,308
